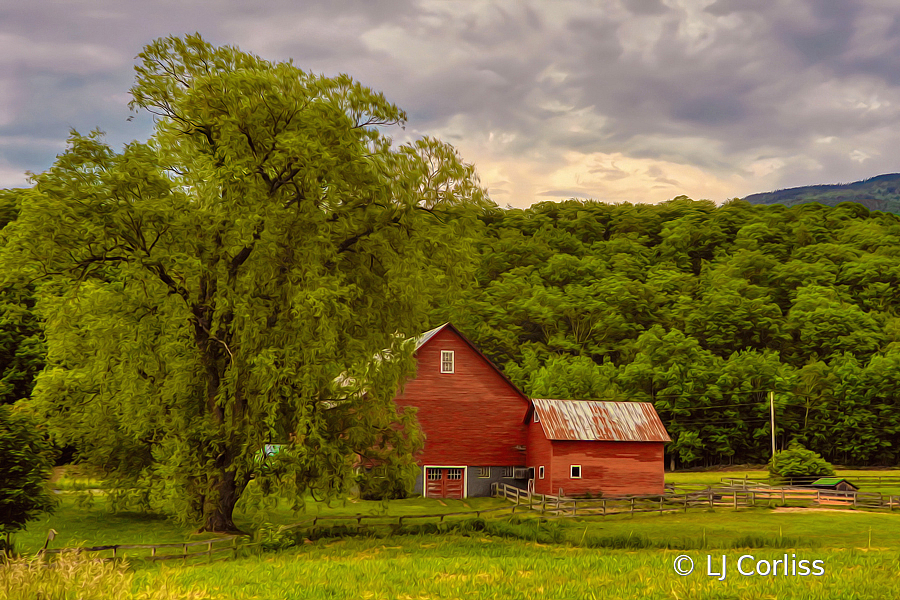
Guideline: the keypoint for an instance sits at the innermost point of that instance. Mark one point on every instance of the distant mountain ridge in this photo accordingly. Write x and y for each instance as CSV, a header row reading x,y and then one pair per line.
x,y
881,192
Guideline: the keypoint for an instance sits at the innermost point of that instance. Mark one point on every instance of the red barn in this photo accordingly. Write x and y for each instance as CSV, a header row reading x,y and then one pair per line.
x,y
480,428
589,447
473,417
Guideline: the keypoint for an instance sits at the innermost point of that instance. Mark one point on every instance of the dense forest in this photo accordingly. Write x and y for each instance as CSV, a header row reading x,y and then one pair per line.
x,y
702,310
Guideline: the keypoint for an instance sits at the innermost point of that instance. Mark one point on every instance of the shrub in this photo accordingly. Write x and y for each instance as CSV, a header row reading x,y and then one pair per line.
x,y
25,461
797,461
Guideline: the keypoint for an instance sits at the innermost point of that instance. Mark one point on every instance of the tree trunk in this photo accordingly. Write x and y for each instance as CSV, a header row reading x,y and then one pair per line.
x,y
219,515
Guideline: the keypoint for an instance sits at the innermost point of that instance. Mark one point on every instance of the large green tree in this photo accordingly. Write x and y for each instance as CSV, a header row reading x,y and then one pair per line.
x,y
247,276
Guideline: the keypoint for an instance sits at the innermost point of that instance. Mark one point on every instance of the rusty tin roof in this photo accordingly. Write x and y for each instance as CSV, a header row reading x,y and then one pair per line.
x,y
603,421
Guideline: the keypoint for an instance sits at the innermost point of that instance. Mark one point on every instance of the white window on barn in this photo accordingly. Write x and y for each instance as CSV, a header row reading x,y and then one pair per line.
x,y
484,471
541,472
508,471
575,471
537,419
447,361
434,474
453,474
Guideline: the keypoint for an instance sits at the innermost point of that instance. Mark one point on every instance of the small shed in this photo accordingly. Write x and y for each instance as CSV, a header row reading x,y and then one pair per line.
x,y
834,483
590,447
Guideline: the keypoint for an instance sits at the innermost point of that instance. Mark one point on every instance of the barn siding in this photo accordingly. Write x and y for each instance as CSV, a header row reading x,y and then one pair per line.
x,y
539,453
610,468
470,417
481,486
475,485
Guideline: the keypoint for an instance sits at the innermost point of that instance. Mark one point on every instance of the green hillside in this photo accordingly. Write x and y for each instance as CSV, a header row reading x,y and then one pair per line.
x,y
877,193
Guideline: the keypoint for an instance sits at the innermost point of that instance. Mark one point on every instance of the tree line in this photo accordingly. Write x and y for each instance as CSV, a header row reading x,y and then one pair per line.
x,y
702,310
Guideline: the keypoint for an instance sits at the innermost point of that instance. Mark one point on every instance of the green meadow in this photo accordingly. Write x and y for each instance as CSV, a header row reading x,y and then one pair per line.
x,y
502,555
483,567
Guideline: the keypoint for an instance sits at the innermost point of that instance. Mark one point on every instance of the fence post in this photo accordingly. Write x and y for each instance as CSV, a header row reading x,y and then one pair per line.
x,y
632,505
574,507
854,500
660,505
604,508
209,552
184,550
709,492
782,497
685,502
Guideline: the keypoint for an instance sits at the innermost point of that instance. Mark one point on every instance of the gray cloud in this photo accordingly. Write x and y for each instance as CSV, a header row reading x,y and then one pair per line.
x,y
575,97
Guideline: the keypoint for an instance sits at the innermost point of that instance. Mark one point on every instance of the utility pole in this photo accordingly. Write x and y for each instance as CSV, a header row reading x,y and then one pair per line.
x,y
772,412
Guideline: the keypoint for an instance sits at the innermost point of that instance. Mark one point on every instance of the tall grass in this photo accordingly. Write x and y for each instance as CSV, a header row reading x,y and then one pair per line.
x,y
73,577
478,567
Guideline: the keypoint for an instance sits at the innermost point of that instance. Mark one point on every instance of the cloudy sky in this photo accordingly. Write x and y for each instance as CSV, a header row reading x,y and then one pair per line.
x,y
617,100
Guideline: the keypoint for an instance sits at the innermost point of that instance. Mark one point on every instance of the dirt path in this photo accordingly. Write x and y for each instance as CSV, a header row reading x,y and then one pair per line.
x,y
784,509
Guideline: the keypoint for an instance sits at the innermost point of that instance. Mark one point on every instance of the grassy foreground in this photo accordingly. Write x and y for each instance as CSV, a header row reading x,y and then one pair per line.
x,y
481,567
860,553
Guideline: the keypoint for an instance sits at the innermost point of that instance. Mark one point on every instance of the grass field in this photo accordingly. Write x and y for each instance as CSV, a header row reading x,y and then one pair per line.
x,y
481,567
715,477
860,550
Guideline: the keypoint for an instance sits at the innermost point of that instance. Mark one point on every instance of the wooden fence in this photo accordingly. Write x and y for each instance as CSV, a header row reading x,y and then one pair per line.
x,y
794,481
732,497
183,551
393,520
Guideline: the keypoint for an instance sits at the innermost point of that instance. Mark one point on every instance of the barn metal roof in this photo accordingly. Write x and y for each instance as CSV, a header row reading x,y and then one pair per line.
x,y
424,337
602,421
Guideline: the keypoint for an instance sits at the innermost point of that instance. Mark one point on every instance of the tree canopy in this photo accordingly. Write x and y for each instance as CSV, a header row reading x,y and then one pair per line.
x,y
702,310
247,276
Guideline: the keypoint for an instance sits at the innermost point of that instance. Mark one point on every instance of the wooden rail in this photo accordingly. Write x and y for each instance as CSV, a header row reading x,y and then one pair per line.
x,y
791,481
394,520
733,497
184,555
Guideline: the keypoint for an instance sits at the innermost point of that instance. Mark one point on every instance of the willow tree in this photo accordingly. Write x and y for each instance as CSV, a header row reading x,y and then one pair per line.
x,y
246,277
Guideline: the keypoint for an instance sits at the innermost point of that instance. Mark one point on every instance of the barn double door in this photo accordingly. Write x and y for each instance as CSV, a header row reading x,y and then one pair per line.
x,y
444,482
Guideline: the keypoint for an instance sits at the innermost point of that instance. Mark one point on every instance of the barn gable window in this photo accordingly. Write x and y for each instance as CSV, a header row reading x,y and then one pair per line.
x,y
575,471
541,472
447,362
537,419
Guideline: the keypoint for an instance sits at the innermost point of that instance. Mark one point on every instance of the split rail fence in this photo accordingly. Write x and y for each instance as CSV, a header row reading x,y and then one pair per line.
x,y
184,551
795,481
732,497
367,521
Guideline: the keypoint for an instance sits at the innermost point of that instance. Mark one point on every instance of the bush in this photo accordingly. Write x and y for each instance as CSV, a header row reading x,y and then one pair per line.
x,y
797,461
25,461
